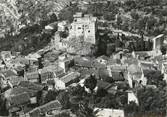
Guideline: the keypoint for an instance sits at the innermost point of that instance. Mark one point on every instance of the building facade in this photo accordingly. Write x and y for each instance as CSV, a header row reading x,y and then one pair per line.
x,y
84,25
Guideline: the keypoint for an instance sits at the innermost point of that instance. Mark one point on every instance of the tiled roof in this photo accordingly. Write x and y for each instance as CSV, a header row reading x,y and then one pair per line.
x,y
31,86
87,72
14,80
83,62
70,77
46,108
117,76
8,73
17,96
130,61
118,68
19,99
103,73
142,54
96,64
103,57
148,66
113,61
32,75
35,113
134,69
103,84
14,91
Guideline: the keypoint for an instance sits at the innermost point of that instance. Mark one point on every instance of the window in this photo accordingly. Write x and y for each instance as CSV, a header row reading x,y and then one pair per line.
x,y
88,31
79,27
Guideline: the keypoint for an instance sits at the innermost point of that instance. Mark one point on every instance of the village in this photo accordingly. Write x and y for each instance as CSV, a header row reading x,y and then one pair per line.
x,y
68,77
93,66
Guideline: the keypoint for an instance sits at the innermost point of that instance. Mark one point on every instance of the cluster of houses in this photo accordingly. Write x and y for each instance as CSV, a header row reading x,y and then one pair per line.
x,y
25,79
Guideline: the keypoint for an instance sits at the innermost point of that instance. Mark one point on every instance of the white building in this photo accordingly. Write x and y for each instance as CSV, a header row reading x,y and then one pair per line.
x,y
84,25
132,98
158,42
164,70
62,25
105,112
65,62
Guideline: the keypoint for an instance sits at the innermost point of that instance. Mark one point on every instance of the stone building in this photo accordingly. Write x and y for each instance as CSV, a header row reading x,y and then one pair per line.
x,y
84,25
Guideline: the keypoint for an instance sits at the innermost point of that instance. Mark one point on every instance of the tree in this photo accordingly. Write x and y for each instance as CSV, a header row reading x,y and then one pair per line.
x,y
132,108
163,50
119,21
63,97
84,110
101,92
16,14
90,82
152,101
3,108
51,95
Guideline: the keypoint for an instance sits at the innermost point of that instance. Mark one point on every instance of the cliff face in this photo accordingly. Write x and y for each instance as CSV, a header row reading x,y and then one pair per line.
x,y
16,14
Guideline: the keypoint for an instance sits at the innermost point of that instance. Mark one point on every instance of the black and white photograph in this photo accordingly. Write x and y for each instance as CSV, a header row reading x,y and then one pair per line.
x,y
83,58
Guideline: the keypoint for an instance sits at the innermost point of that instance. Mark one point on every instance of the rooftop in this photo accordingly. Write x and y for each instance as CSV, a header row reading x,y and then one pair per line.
x,y
31,86
103,84
69,77
9,73
47,107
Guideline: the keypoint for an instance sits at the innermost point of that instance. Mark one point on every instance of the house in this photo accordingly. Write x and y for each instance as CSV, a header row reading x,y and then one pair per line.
x,y
60,113
70,78
131,60
105,112
110,75
135,73
8,73
11,77
16,98
42,110
158,42
84,25
62,25
143,54
15,80
88,72
59,85
113,61
46,74
51,26
34,90
132,98
133,68
102,59
164,71
50,72
51,84
148,66
20,59
103,84
31,68
20,70
105,74
100,62
32,76
65,62
83,62
112,90
117,76
122,85
33,56
6,55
